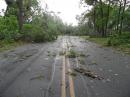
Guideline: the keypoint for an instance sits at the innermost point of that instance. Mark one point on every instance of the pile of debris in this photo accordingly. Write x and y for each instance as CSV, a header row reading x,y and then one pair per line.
x,y
88,73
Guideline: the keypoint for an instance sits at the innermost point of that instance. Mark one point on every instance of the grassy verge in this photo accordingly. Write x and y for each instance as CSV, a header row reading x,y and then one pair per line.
x,y
102,41
125,47
5,45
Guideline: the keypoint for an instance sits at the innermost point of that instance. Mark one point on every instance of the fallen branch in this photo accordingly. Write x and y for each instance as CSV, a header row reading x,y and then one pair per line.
x,y
88,73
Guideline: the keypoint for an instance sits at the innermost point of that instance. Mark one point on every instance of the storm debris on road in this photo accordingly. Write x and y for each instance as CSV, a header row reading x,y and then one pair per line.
x,y
72,73
88,73
39,77
73,46
72,54
81,61
93,63
61,53
82,54
51,54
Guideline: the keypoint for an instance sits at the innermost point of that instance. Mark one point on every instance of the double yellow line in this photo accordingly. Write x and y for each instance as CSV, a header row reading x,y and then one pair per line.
x,y
71,83
66,64
63,86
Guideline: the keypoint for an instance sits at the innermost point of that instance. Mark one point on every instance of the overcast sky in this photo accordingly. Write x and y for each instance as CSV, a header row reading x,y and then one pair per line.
x,y
2,6
68,8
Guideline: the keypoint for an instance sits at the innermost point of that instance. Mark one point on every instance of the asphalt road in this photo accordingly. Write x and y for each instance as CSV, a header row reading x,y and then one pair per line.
x,y
46,70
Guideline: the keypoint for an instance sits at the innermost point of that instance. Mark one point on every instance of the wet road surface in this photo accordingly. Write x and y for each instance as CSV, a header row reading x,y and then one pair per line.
x,y
46,70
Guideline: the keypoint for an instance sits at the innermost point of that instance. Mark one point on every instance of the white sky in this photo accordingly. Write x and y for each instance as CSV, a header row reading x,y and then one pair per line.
x,y
2,6
68,8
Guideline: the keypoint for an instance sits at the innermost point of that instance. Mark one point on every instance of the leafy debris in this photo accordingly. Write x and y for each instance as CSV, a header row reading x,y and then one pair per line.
x,y
39,77
72,54
61,53
72,73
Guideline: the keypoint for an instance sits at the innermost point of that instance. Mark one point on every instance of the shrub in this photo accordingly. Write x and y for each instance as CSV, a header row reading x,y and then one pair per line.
x,y
8,28
116,39
39,29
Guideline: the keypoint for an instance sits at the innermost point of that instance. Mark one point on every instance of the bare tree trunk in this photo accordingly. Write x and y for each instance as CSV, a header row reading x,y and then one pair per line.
x,y
108,12
94,20
94,17
118,20
102,28
122,17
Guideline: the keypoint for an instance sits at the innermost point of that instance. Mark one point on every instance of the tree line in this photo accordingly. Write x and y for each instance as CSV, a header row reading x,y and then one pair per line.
x,y
106,17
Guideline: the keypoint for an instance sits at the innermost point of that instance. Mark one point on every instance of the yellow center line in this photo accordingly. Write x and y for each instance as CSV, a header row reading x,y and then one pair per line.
x,y
71,83
63,86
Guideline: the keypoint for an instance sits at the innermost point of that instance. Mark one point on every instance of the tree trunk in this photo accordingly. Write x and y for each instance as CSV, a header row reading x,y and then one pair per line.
x,y
20,14
94,17
122,17
118,20
102,28
108,12
94,20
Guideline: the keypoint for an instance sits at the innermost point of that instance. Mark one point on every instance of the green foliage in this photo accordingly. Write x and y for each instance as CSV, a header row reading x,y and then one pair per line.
x,y
38,26
39,30
6,45
11,10
120,42
106,17
116,39
43,27
99,40
8,28
27,32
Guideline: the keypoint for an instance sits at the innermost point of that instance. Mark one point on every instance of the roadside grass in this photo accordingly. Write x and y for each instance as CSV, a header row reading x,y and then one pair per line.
x,y
125,48
112,42
6,45
102,41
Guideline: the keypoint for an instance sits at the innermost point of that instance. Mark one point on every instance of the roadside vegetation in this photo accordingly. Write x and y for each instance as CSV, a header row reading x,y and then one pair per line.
x,y
6,45
119,42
